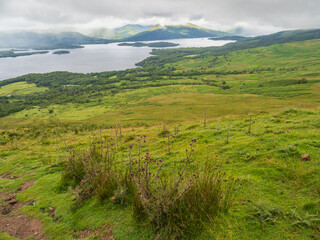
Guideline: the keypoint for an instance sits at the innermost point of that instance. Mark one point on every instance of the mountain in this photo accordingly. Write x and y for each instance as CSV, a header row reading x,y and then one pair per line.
x,y
189,30
45,40
119,33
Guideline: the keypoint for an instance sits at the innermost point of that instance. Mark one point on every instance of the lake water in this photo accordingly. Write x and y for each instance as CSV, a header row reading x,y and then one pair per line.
x,y
92,58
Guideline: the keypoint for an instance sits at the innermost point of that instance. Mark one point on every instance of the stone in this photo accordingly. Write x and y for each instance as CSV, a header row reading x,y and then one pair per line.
x,y
13,201
306,157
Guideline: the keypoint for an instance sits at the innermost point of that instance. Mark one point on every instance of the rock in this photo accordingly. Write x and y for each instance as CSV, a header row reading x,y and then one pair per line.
x,y
13,201
305,157
10,197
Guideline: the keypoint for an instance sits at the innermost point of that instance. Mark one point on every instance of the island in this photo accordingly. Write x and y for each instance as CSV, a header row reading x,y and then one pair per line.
x,y
234,38
154,44
59,52
57,46
11,53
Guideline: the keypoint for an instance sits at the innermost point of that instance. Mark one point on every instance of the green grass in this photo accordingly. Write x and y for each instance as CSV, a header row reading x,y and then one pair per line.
x,y
20,88
266,165
272,182
267,80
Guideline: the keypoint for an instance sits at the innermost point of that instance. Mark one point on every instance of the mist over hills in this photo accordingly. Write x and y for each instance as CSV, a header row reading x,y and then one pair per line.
x,y
129,32
133,32
189,30
118,33
46,40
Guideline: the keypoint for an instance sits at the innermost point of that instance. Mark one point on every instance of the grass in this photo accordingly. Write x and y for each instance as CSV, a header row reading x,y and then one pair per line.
x,y
268,78
275,193
20,88
265,165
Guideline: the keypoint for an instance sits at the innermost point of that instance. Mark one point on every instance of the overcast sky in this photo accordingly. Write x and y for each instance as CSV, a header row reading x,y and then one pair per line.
x,y
255,16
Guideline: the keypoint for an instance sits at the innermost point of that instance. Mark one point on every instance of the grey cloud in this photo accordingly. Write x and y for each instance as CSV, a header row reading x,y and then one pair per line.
x,y
259,14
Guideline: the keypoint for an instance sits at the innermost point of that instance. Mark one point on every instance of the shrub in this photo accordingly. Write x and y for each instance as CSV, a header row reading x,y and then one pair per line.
x,y
175,204
302,81
3,141
92,172
74,167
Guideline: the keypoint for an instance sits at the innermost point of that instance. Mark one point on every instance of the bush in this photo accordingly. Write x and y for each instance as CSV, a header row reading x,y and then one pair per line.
x,y
302,81
175,205
3,141
178,204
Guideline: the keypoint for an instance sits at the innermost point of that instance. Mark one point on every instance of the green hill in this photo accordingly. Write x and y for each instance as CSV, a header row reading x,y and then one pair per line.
x,y
172,55
189,30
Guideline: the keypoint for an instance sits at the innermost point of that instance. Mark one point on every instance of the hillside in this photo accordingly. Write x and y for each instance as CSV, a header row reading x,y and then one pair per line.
x,y
263,167
200,143
45,40
119,33
171,55
159,32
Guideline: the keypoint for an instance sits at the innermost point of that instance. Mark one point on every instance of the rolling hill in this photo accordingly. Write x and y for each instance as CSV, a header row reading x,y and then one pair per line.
x,y
189,30
166,56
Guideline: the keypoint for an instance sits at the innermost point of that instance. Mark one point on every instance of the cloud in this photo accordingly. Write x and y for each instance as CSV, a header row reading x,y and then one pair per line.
x,y
257,16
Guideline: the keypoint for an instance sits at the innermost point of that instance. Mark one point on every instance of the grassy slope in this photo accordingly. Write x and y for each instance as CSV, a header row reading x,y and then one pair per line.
x,y
272,89
266,163
20,88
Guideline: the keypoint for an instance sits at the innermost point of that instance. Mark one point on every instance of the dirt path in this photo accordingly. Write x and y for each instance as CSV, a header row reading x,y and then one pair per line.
x,y
15,224
21,226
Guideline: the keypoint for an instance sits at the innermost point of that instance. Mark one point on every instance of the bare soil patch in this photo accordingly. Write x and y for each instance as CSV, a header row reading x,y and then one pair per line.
x,y
15,224
103,233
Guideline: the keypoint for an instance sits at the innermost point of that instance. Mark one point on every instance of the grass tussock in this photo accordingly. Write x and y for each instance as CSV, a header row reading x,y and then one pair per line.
x,y
173,204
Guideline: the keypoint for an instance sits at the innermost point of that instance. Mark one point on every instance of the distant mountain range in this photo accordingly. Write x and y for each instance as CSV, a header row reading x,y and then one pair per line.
x,y
46,40
68,40
130,32
189,30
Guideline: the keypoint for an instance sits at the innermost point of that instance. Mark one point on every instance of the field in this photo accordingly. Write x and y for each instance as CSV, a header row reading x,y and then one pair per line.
x,y
20,88
253,113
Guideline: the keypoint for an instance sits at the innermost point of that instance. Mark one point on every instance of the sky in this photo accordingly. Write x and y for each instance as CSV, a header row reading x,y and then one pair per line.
x,y
255,17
